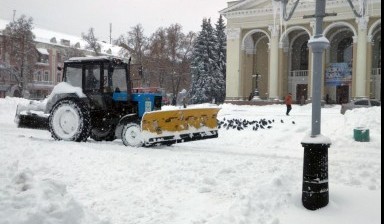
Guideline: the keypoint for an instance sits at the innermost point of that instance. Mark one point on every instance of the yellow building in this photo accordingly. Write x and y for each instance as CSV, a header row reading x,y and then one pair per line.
x,y
267,53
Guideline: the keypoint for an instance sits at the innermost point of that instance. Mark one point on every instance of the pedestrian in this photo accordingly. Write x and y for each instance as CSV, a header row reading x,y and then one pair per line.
x,y
288,103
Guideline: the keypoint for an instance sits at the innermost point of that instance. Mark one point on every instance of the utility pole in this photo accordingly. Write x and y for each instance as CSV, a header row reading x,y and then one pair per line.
x,y
14,14
110,33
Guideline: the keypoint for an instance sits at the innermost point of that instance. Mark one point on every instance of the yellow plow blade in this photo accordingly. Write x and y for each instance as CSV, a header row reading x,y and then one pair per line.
x,y
171,126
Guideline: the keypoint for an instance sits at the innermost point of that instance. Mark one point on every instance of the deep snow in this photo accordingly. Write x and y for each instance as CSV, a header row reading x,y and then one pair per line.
x,y
242,177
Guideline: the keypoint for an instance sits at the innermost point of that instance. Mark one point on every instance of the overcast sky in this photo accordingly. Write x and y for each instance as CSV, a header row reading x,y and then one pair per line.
x,y
77,16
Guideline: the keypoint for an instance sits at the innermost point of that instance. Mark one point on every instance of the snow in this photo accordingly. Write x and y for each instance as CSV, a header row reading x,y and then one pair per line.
x,y
45,36
64,87
241,177
321,39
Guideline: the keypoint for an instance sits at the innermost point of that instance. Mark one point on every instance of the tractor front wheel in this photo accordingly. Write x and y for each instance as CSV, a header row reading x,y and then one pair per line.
x,y
132,135
69,121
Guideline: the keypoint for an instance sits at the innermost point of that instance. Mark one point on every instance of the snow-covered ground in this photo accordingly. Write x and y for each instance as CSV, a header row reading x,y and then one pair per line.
x,y
241,177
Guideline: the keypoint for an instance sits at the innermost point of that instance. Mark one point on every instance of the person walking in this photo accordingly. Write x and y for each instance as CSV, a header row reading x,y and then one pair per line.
x,y
288,103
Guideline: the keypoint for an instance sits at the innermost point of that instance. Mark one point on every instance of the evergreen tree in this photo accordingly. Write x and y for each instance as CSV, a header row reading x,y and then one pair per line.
x,y
221,42
208,61
203,66
19,45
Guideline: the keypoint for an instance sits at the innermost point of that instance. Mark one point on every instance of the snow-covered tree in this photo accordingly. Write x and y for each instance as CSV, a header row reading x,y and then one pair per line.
x,y
221,48
208,80
19,46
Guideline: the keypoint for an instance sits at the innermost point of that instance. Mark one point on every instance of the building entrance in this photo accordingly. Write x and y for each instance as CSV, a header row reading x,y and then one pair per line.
x,y
342,94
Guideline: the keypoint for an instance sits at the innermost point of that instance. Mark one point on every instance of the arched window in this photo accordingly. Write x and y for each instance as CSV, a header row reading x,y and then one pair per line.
x,y
304,56
344,50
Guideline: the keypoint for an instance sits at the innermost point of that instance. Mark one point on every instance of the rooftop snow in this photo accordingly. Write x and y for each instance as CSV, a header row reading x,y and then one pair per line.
x,y
45,36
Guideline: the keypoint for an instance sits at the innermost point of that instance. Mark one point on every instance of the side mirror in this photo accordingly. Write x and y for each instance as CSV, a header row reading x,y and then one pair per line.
x,y
59,68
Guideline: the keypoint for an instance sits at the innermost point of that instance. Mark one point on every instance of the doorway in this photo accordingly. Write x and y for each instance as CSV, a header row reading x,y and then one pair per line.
x,y
301,91
342,94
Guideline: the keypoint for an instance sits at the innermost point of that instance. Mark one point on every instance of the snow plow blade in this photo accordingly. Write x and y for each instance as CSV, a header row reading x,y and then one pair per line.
x,y
183,125
28,116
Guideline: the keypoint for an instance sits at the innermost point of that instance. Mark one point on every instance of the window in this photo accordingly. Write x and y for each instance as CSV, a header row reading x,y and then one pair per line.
x,y
38,76
46,76
375,103
74,74
304,56
118,79
59,59
362,102
43,58
92,77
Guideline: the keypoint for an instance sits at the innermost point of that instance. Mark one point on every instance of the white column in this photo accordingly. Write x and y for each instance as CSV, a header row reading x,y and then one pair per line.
x,y
273,84
361,58
233,64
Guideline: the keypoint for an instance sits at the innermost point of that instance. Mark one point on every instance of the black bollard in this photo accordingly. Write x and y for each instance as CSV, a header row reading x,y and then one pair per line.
x,y
315,176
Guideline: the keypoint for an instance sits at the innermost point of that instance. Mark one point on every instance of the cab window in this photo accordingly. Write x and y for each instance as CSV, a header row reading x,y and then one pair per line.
x,y
92,77
73,75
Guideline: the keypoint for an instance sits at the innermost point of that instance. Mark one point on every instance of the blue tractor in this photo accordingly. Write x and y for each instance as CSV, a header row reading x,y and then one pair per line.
x,y
96,100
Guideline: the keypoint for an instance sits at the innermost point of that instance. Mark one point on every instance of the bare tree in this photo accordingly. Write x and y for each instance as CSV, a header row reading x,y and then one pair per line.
x,y
19,45
70,52
163,59
158,60
134,43
92,41
179,48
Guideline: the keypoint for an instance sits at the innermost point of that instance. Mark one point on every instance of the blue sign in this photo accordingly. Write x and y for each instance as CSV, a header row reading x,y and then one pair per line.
x,y
338,74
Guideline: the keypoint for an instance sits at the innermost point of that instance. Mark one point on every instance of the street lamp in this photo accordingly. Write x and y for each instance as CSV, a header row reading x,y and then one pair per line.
x,y
256,94
315,192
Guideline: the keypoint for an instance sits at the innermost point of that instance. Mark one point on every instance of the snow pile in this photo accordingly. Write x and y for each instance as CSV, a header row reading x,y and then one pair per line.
x,y
242,177
26,199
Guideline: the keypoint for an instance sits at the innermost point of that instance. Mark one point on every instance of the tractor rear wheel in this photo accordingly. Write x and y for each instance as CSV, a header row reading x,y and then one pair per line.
x,y
132,135
70,121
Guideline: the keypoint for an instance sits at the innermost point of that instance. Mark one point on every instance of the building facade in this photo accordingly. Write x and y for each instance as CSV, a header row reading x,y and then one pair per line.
x,y
52,49
271,55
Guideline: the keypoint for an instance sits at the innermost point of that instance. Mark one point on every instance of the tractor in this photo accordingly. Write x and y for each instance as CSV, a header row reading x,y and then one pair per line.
x,y
95,99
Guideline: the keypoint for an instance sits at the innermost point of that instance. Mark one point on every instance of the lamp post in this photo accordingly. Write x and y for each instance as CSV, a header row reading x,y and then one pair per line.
x,y
315,192
257,83
256,94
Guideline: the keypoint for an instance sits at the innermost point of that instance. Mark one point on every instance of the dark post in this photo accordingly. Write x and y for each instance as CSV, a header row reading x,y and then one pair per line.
x,y
257,85
315,191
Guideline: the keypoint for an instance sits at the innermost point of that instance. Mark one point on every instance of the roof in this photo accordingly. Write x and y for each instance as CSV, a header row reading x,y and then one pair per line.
x,y
62,39
95,58
43,51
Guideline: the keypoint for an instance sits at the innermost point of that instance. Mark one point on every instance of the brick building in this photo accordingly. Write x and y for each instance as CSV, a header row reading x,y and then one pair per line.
x,y
52,48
